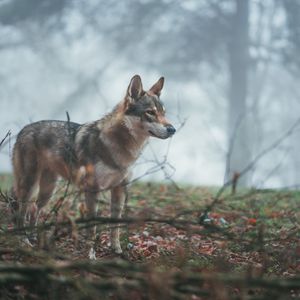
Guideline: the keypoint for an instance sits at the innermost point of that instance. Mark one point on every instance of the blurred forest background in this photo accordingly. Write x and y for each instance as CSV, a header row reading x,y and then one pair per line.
x,y
231,66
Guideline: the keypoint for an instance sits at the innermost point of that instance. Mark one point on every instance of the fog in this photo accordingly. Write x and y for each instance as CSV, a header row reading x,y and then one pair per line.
x,y
231,69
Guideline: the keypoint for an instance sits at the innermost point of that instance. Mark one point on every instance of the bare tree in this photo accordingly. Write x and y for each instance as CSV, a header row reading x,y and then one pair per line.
x,y
238,60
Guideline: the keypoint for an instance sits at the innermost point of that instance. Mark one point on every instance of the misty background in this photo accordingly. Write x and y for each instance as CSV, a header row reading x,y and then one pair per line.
x,y
231,68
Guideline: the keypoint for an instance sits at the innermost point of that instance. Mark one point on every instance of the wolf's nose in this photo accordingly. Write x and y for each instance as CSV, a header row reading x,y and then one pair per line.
x,y
170,129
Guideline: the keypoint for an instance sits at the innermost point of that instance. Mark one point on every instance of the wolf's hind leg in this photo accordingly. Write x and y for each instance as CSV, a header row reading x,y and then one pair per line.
x,y
24,181
118,196
46,186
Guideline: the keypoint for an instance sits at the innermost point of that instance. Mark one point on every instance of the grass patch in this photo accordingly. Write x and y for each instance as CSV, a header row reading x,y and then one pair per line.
x,y
253,234
6,181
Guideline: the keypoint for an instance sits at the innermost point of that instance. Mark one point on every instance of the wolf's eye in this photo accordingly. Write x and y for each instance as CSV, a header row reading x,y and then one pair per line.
x,y
150,113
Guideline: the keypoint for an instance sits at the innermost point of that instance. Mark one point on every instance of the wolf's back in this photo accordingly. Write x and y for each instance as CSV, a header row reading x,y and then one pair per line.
x,y
47,135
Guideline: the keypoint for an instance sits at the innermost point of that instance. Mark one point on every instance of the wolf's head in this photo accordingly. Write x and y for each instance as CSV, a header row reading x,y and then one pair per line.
x,y
145,110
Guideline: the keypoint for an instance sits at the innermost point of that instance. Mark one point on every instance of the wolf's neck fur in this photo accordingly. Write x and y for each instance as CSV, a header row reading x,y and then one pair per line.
x,y
124,136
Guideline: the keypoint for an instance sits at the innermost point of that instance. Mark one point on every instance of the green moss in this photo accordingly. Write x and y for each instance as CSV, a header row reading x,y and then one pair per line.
x,y
6,181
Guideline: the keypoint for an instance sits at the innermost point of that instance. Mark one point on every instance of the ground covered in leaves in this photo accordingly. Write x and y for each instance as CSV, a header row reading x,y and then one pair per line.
x,y
246,247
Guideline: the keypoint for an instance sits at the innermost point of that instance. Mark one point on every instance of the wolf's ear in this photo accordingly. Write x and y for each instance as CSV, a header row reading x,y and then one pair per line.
x,y
135,88
157,87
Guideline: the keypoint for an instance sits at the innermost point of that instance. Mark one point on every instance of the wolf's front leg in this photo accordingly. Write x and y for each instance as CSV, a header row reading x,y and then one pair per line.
x,y
91,205
118,196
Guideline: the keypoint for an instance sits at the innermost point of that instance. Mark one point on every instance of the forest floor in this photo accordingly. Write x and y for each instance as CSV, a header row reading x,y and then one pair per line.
x,y
246,247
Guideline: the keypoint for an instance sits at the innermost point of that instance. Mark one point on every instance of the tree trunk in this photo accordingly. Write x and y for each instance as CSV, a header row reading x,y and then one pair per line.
x,y
239,152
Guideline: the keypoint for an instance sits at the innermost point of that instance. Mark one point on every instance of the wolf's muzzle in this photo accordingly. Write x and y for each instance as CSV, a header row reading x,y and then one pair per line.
x,y
170,129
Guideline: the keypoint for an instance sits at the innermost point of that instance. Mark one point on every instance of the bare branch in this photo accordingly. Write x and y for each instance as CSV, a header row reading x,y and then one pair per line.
x,y
8,134
264,152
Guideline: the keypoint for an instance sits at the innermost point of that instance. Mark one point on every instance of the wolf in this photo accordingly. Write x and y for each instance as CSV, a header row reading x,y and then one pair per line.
x,y
95,156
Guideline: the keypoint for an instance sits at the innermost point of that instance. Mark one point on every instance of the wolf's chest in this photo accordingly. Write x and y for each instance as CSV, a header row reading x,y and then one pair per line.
x,y
107,177
101,176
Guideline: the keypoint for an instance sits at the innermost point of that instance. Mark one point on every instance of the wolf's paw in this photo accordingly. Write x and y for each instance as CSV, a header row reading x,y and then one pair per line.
x,y
92,254
117,249
25,241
